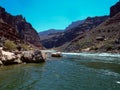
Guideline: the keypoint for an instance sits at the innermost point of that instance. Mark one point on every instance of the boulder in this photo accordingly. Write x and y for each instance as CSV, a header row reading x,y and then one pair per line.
x,y
86,50
57,54
18,59
100,38
8,58
32,57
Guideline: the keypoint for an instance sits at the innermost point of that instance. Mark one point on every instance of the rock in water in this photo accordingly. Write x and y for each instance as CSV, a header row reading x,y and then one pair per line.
x,y
57,54
32,57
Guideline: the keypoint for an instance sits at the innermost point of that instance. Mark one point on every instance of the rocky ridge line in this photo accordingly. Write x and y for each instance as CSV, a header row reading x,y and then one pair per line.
x,y
23,30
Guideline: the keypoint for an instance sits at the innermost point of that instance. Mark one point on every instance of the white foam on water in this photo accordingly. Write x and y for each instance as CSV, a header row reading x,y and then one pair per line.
x,y
118,82
109,73
93,54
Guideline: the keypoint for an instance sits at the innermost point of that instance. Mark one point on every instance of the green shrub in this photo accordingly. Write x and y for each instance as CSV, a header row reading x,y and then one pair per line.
x,y
109,47
85,44
10,45
93,48
25,47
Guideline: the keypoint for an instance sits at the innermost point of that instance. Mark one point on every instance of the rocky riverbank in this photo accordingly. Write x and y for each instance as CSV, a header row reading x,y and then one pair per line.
x,y
19,57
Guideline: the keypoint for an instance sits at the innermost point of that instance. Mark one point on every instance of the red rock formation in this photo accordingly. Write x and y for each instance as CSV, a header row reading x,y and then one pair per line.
x,y
17,26
8,32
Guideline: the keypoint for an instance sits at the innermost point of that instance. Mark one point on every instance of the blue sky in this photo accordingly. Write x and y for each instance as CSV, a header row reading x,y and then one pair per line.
x,y
57,14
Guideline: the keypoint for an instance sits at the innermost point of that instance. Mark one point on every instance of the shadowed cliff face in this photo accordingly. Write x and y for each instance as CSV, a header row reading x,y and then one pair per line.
x,y
24,29
8,32
105,37
59,39
115,9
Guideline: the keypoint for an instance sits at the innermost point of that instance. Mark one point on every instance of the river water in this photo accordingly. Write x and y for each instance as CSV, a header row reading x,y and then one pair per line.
x,y
74,71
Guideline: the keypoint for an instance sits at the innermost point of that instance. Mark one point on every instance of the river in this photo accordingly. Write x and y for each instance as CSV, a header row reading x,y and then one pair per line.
x,y
74,71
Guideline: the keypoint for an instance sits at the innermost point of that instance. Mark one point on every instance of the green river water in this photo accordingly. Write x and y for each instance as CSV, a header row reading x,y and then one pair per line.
x,y
71,72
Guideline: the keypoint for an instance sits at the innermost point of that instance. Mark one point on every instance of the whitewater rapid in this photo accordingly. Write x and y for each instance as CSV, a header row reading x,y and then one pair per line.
x,y
92,54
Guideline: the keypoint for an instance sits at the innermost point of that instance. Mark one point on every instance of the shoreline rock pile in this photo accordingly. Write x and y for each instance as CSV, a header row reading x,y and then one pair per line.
x,y
32,57
9,58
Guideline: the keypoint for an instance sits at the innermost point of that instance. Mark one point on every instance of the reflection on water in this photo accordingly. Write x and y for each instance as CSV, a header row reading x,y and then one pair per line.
x,y
100,65
71,72
16,77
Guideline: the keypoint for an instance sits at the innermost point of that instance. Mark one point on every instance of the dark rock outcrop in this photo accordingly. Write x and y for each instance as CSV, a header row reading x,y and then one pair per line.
x,y
19,28
115,9
100,38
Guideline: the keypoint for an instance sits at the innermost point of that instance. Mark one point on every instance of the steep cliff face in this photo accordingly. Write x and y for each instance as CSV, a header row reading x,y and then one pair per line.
x,y
115,9
67,36
24,29
27,32
104,38
9,32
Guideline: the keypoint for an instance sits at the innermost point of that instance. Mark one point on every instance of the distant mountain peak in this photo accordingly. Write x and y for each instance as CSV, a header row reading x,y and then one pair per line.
x,y
49,31
74,24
